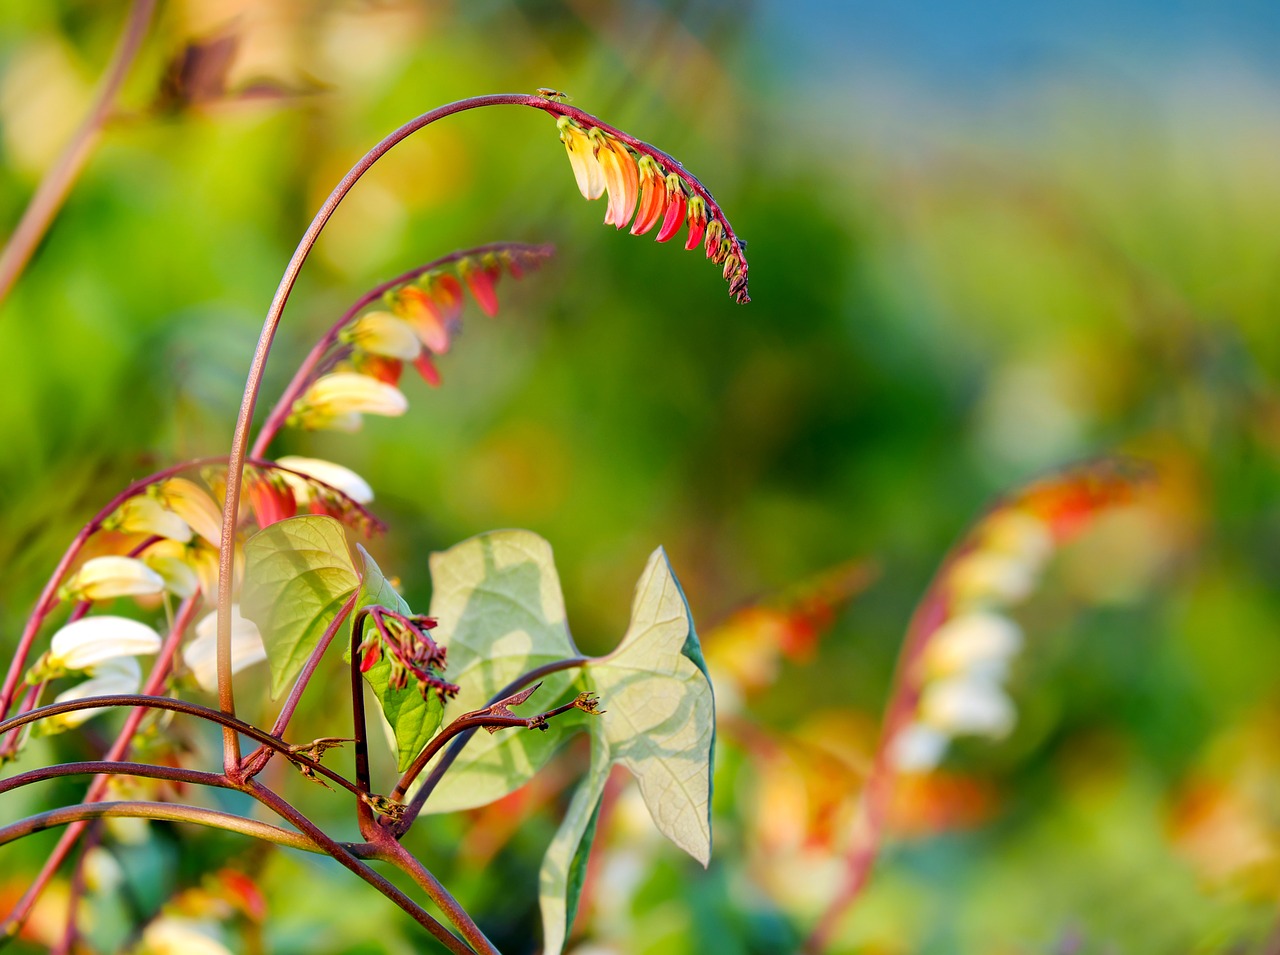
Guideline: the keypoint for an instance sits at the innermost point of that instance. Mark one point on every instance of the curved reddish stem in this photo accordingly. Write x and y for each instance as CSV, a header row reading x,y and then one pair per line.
x,y
56,184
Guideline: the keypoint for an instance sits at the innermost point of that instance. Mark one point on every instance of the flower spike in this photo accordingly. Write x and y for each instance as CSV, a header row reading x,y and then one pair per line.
x,y
605,159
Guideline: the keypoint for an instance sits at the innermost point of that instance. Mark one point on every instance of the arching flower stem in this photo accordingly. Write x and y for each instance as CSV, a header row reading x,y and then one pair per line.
x,y
56,183
271,323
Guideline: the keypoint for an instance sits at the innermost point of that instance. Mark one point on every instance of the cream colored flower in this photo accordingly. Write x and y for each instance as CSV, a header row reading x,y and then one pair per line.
x,y
108,678
101,578
336,401
988,577
975,642
173,561
381,333
145,514
201,654
91,641
967,706
334,475
171,935
918,748
586,168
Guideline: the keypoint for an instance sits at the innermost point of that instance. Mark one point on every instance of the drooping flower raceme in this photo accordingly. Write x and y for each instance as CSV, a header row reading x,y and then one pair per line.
x,y
647,184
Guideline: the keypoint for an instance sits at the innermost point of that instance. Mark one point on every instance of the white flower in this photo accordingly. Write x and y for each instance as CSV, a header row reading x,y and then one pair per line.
x,y
101,578
334,475
987,577
91,641
170,560
171,935
963,705
975,642
201,654
918,748
109,678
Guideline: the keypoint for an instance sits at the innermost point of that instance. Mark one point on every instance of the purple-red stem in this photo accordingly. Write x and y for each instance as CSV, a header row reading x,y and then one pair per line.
x,y
155,682
56,184
451,755
345,856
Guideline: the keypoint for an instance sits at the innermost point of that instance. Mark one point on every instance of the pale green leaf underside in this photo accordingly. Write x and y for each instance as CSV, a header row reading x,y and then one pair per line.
x,y
501,613
564,867
298,573
413,719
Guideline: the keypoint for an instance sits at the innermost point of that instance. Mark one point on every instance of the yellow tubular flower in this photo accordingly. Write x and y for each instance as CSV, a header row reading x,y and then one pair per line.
x,y
586,168
145,514
336,401
334,475
102,578
194,505
381,333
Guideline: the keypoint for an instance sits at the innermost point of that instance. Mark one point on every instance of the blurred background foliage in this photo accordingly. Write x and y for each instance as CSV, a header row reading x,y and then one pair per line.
x,y
985,242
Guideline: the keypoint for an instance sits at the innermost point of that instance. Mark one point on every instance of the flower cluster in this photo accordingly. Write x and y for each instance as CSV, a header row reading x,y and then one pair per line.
x,y
958,675
645,183
413,322
408,648
165,537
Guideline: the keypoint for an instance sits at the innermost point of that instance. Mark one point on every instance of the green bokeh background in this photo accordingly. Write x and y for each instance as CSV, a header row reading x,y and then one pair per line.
x,y
953,291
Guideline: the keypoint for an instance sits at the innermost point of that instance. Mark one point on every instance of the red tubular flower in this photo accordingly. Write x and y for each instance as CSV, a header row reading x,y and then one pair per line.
x,y
380,367
428,370
480,278
697,223
271,499
424,314
676,205
446,291
653,196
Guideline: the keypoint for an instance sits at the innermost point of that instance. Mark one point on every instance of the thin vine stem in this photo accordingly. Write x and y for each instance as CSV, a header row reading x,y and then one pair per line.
x,y
56,184
156,681
115,767
230,723
280,411
256,761
451,754
163,811
346,857
412,866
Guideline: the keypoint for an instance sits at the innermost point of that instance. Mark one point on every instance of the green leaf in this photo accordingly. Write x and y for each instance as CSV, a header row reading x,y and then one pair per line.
x,y
564,868
413,718
298,573
659,718
501,613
